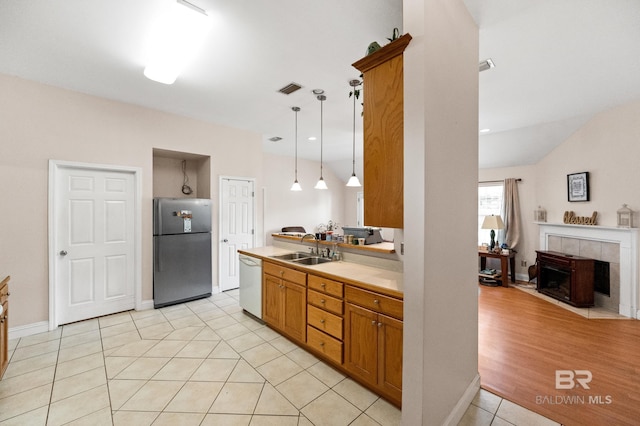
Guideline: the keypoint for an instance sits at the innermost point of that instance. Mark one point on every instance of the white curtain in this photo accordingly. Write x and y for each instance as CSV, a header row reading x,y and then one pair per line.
x,y
511,213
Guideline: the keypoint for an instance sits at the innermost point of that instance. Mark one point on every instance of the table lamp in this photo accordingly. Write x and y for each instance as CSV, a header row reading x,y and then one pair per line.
x,y
492,222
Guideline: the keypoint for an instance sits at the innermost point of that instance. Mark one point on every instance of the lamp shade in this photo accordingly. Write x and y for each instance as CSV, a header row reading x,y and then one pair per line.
x,y
492,222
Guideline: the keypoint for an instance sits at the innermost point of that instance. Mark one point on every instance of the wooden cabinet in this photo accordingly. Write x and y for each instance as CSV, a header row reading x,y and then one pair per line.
x,y
373,340
4,325
325,329
284,300
383,116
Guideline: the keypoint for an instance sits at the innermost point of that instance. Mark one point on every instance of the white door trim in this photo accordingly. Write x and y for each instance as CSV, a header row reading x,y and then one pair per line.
x,y
54,167
220,227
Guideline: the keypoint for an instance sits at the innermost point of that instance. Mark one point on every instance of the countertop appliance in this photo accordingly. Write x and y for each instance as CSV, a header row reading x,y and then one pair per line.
x,y
250,291
370,235
181,250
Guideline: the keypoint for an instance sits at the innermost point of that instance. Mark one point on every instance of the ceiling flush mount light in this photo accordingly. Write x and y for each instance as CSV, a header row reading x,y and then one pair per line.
x,y
175,39
321,183
296,186
353,180
487,64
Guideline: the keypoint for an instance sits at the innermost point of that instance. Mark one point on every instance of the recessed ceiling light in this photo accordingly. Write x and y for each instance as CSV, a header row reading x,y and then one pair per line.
x,y
317,91
485,130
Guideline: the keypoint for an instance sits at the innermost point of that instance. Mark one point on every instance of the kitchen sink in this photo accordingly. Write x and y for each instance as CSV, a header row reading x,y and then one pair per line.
x,y
312,260
293,256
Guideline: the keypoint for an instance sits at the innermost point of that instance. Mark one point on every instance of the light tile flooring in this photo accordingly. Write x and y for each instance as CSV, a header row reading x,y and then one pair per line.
x,y
200,363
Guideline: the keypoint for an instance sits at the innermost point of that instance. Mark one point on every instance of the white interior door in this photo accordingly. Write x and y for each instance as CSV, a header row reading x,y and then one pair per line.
x,y
93,242
236,227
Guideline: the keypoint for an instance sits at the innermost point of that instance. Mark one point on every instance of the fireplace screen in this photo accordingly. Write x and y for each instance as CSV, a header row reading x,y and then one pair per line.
x,y
555,282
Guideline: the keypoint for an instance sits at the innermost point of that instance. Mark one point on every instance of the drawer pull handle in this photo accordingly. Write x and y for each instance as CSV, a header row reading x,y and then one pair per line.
x,y
281,273
322,344
322,301
322,321
373,323
376,301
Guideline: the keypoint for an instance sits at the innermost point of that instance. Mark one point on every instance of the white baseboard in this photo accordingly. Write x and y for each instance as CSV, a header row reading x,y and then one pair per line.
x,y
463,404
28,330
145,305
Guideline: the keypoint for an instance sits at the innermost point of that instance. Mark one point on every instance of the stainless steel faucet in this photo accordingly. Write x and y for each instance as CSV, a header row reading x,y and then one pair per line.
x,y
317,242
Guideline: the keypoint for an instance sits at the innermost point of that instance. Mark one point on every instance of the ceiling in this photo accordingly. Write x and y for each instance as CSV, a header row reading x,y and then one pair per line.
x,y
557,64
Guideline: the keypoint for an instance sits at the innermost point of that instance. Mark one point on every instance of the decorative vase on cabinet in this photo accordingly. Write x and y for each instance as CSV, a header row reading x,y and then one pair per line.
x,y
382,73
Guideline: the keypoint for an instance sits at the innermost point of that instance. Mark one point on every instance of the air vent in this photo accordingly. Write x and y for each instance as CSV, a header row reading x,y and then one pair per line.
x,y
275,139
290,88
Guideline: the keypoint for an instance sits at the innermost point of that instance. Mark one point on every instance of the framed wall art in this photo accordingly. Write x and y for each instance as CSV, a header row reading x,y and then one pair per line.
x,y
578,186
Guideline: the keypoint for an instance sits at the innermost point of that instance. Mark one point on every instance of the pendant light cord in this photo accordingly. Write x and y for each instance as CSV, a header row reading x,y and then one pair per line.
x,y
322,98
354,131
296,109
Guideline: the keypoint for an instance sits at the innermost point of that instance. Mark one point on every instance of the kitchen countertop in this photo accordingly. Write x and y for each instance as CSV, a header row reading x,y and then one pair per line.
x,y
367,277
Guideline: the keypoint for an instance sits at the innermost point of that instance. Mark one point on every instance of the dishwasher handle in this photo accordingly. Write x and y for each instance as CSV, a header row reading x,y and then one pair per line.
x,y
249,261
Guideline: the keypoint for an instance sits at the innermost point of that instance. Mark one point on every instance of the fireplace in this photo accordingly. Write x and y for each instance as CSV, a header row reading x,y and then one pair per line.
x,y
566,277
601,278
617,246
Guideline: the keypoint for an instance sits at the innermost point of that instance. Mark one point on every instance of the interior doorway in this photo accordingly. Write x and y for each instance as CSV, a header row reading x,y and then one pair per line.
x,y
237,226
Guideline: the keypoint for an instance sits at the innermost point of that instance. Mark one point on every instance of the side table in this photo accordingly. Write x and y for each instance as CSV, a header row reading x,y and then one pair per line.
x,y
507,264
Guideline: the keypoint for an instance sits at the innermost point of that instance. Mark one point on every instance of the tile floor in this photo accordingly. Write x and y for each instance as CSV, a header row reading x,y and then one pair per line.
x,y
200,363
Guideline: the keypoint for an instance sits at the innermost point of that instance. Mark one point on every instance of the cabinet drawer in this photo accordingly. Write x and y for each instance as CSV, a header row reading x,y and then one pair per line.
x,y
374,301
290,275
325,302
324,321
325,344
324,285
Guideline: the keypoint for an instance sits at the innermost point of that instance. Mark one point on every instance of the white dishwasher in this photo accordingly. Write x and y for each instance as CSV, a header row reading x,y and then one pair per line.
x,y
251,285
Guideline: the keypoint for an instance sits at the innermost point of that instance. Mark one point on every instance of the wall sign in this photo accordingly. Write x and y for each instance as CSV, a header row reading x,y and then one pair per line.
x,y
578,186
571,219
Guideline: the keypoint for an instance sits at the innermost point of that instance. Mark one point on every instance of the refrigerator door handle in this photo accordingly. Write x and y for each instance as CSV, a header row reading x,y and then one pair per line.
x,y
158,255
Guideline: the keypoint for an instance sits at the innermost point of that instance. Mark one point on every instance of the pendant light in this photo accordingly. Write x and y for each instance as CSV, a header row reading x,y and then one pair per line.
x,y
353,180
296,186
321,183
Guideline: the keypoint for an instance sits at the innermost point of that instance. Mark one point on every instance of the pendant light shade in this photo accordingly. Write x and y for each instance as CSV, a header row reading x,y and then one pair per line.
x,y
296,186
353,180
321,183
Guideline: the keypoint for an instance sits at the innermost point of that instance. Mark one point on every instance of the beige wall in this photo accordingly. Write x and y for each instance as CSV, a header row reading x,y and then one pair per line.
x,y
308,207
440,371
607,147
41,122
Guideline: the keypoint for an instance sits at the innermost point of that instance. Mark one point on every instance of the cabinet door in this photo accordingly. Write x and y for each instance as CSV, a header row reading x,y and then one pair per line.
x,y
361,343
295,311
390,355
272,309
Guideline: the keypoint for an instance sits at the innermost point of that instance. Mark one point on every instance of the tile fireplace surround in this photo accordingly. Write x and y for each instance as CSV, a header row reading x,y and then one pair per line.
x,y
569,239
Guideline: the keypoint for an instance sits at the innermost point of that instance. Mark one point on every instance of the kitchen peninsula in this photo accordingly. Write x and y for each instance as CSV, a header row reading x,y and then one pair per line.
x,y
349,314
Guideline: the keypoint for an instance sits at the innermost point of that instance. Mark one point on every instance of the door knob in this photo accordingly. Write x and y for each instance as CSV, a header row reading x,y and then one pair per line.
x,y
63,252
225,241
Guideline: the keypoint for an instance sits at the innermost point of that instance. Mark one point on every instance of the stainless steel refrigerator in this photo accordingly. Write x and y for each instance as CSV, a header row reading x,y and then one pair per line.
x,y
181,250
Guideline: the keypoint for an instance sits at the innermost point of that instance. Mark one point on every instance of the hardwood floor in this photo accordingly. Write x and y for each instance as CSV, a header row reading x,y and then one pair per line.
x,y
524,341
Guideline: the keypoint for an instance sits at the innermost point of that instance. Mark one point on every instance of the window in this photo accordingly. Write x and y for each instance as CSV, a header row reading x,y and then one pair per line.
x,y
490,197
